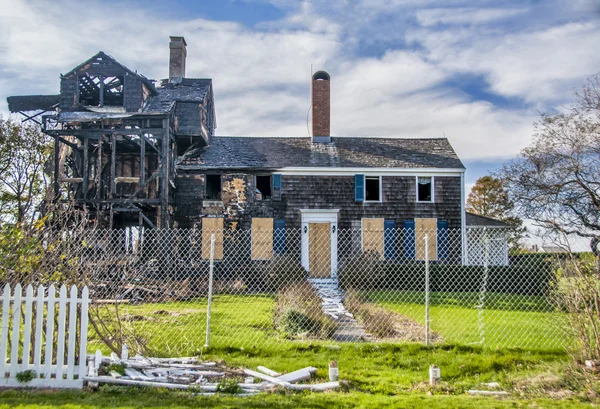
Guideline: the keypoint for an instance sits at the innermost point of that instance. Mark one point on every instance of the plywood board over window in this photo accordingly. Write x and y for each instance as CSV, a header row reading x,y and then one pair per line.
x,y
210,226
262,238
425,227
372,233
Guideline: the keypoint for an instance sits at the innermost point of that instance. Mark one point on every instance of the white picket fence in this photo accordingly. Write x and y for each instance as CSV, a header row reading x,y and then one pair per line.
x,y
27,348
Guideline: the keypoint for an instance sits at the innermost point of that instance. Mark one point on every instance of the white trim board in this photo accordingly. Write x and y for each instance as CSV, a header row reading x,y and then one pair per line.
x,y
320,216
370,171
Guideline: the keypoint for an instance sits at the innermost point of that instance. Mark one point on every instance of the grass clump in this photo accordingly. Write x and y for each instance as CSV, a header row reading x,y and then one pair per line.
x,y
299,313
229,386
25,376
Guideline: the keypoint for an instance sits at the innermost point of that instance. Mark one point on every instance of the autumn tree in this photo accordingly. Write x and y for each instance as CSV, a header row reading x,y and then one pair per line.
x,y
489,197
24,150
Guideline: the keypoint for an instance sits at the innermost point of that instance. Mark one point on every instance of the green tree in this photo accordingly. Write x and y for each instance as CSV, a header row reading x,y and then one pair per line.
x,y
24,151
490,198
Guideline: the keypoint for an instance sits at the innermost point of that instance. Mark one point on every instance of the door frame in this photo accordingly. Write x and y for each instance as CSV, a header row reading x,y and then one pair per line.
x,y
320,216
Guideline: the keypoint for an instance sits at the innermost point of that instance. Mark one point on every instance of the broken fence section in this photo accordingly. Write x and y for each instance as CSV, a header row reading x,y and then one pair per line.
x,y
44,337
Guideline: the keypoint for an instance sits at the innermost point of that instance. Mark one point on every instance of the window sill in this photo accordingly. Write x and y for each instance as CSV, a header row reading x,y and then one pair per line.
x,y
372,201
425,201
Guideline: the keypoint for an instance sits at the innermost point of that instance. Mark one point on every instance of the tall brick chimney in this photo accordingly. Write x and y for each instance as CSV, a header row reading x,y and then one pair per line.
x,y
320,107
178,52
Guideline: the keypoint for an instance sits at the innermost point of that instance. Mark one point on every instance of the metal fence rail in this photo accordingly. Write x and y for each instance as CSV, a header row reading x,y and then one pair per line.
x,y
274,285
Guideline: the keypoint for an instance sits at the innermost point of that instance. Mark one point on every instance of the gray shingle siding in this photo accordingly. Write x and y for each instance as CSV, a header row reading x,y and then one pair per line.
x,y
320,192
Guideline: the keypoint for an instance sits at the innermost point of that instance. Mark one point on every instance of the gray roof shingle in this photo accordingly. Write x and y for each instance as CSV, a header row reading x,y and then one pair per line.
x,y
187,89
238,152
475,220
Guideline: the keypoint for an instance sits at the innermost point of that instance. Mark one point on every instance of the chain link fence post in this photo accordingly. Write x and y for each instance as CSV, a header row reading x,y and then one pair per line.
x,y
427,289
210,288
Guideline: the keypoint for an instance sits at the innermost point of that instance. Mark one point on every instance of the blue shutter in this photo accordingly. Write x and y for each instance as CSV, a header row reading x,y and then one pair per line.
x,y
359,188
442,239
279,237
276,181
389,239
409,239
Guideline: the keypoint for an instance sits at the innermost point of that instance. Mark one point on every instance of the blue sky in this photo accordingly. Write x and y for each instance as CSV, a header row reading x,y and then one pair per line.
x,y
477,72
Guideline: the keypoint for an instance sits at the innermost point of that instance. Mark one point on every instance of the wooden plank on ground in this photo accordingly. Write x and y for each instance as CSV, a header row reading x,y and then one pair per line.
x,y
210,226
262,238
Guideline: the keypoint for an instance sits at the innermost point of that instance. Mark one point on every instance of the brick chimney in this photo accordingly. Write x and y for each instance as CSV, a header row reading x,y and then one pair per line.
x,y
320,107
178,52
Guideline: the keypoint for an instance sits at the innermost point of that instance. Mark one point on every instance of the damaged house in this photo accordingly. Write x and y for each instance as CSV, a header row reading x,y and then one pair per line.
x,y
135,153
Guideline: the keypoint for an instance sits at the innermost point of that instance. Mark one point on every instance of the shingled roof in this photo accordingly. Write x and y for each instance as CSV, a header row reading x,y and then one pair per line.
x,y
237,152
475,220
185,89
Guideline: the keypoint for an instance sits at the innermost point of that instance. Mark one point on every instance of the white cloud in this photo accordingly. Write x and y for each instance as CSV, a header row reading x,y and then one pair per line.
x,y
467,16
262,74
540,66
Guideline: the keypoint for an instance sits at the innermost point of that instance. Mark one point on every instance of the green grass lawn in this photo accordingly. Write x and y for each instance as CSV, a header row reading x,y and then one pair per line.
x,y
506,320
179,328
382,375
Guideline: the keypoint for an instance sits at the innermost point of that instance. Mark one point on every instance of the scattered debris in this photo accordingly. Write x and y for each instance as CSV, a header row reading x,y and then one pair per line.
x,y
435,375
333,371
192,374
492,385
487,393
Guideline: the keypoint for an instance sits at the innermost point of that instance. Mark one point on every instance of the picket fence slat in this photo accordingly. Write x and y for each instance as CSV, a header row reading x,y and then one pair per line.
x,y
27,344
27,329
85,299
60,338
4,334
14,347
72,332
39,320
49,332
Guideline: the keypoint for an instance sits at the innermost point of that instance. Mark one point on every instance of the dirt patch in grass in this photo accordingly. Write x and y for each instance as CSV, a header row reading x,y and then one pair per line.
x,y
385,325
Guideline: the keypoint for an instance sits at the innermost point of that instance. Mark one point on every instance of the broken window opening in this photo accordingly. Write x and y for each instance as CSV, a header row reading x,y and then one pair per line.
x,y
372,189
100,91
213,187
424,189
263,186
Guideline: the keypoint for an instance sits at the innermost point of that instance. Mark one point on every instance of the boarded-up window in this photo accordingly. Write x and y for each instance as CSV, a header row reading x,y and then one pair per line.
x,y
426,227
262,238
372,232
210,226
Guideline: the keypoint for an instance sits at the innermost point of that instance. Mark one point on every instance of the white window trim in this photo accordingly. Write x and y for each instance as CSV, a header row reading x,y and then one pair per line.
x,y
315,216
432,189
380,190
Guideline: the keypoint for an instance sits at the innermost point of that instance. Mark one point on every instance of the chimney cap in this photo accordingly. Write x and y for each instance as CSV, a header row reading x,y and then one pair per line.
x,y
178,39
320,75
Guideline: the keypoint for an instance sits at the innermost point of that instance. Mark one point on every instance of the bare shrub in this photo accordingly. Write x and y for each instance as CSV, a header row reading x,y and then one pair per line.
x,y
577,293
299,312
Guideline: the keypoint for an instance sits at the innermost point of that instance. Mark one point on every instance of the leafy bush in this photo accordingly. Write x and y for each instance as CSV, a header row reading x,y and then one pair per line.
x,y
362,271
299,312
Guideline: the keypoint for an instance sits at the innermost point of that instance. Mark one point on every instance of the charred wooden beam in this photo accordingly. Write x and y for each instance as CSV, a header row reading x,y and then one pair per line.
x,y
113,165
85,167
56,168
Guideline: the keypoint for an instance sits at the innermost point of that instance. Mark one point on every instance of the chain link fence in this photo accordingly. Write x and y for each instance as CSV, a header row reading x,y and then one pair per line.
x,y
268,286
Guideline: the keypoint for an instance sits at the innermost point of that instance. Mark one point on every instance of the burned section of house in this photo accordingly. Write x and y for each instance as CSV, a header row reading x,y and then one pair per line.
x,y
138,152
118,134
